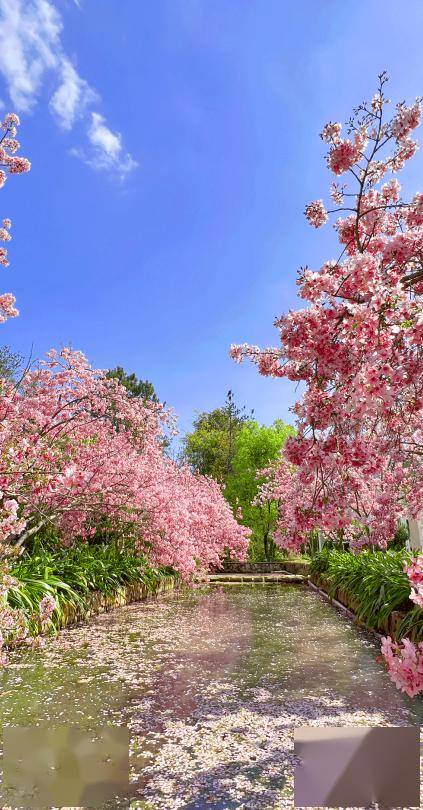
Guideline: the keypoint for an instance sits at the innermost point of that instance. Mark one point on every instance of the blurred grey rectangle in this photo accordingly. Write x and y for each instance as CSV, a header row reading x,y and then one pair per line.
x,y
64,766
356,767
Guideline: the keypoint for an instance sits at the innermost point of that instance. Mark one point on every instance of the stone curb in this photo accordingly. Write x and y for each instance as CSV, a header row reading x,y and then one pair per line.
x,y
98,602
343,601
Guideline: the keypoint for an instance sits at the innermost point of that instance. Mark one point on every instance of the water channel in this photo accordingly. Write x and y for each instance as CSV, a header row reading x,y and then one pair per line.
x,y
211,684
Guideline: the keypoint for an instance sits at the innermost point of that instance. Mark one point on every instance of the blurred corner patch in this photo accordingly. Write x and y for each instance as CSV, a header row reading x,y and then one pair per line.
x,y
357,766
64,766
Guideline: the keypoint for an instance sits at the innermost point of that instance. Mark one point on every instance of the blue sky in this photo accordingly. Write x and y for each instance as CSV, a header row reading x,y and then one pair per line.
x,y
174,146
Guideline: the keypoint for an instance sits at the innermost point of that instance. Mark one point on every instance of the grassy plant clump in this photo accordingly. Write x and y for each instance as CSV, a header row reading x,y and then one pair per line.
x,y
375,580
70,575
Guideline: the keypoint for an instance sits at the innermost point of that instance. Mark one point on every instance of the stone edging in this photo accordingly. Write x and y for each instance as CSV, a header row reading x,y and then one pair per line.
x,y
98,602
290,566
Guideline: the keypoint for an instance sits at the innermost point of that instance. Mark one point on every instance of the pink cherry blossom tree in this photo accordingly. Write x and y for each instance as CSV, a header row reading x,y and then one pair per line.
x,y
77,448
13,164
356,462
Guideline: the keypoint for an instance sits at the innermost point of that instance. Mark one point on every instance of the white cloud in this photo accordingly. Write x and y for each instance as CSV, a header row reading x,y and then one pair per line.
x,y
71,97
29,44
106,149
103,139
30,49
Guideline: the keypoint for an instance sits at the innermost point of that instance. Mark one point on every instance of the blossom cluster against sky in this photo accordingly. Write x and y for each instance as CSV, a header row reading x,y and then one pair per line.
x,y
174,147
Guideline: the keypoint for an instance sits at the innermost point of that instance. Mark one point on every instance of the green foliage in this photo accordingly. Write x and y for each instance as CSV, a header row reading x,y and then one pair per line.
x,y
10,363
70,575
135,387
401,536
262,548
320,561
256,446
313,543
374,579
142,389
412,625
210,447
229,446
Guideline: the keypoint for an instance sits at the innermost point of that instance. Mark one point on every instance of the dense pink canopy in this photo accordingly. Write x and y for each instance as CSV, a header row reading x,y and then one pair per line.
x,y
76,449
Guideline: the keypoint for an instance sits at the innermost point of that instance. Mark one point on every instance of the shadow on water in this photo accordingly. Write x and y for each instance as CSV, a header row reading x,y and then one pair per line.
x,y
211,684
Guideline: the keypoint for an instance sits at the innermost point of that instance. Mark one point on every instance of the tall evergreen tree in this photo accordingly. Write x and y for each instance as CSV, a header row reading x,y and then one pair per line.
x,y
143,389
210,447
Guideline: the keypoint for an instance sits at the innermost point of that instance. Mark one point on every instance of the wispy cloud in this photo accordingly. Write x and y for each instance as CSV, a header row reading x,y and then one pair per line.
x,y
72,97
30,50
106,148
29,46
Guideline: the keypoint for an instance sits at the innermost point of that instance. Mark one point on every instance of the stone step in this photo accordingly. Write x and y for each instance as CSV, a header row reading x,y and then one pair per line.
x,y
243,579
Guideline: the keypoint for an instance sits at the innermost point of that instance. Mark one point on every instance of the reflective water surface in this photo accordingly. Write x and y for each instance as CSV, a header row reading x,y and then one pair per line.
x,y
211,684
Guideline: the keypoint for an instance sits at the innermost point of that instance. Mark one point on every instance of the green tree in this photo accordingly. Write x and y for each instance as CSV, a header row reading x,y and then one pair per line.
x,y
142,389
255,447
10,363
135,387
209,448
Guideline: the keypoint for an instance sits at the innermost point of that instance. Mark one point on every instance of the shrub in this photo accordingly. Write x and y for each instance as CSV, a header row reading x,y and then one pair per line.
x,y
375,580
70,575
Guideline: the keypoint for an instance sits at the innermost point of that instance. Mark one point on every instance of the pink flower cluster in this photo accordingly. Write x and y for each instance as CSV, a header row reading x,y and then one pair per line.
x,y
14,165
331,132
316,213
414,571
342,156
404,663
7,307
406,119
12,620
5,237
47,607
8,146
415,212
9,520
